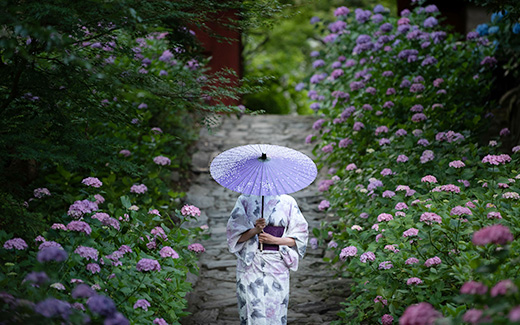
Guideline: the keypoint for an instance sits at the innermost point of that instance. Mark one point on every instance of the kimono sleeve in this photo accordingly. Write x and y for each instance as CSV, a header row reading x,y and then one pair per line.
x,y
237,224
298,229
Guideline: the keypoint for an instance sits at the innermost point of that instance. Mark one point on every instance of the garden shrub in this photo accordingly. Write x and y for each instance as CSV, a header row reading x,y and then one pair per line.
x,y
424,215
105,260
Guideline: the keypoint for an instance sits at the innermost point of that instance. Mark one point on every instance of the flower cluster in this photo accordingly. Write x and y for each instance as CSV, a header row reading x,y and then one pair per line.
x,y
92,181
190,210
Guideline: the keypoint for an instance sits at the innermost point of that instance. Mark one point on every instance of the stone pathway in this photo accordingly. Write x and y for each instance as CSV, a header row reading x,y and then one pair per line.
x,y
315,293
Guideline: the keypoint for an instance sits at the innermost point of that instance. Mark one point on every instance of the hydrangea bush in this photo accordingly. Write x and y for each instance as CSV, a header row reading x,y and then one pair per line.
x,y
423,215
109,262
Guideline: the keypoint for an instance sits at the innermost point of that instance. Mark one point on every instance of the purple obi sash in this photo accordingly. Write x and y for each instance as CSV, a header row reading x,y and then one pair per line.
x,y
276,231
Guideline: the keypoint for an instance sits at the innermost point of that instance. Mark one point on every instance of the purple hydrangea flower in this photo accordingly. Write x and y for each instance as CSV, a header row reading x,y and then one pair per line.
x,y
16,243
82,291
92,181
162,161
51,254
51,307
142,303
101,305
430,22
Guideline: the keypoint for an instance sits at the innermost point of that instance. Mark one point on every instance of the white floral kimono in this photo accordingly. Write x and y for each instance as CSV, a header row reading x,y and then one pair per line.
x,y
263,276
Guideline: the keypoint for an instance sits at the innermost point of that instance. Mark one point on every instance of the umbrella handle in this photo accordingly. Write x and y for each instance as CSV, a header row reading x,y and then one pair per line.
x,y
262,245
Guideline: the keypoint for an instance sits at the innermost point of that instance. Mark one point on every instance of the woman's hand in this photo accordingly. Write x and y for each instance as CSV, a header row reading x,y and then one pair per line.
x,y
266,238
259,225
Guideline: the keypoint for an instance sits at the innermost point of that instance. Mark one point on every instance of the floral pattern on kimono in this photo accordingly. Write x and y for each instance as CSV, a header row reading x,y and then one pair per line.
x,y
263,276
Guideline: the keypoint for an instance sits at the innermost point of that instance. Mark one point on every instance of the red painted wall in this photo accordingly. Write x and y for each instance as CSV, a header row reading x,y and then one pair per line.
x,y
224,53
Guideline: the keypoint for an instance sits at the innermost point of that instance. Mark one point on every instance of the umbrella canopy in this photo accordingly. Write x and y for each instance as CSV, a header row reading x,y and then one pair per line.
x,y
263,169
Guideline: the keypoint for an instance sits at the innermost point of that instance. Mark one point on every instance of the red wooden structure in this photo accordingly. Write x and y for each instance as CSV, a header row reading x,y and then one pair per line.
x,y
223,46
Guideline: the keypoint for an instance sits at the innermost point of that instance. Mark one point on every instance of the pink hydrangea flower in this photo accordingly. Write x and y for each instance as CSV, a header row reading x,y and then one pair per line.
x,y
387,319
386,265
505,132
432,261
16,243
460,210
159,321
147,264
473,288
384,141
92,181
421,313
328,148
39,238
411,232
324,204
58,226
384,217
142,303
93,267
125,153
503,287
514,314
41,192
87,252
138,189
388,194
402,159
511,195
367,256
391,248
347,251
99,199
351,167
494,215
190,210
474,316
49,243
411,260
430,217
386,172
79,208
414,280
401,206
80,226
495,234
380,299
197,248
381,129
457,164
419,117
167,251
496,159
426,156
162,161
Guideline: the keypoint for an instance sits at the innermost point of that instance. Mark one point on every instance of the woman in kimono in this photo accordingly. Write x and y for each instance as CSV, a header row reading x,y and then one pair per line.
x,y
263,274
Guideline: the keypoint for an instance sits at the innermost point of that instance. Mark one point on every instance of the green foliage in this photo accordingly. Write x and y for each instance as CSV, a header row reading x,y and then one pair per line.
x,y
379,195
119,246
281,50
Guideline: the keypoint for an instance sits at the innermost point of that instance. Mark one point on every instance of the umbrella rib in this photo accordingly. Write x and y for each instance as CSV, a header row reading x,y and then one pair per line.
x,y
246,175
273,181
307,177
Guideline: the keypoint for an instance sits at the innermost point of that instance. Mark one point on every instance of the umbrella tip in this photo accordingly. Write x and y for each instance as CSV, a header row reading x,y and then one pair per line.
x,y
263,157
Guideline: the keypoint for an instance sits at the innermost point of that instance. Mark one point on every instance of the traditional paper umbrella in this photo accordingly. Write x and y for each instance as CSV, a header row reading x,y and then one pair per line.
x,y
263,169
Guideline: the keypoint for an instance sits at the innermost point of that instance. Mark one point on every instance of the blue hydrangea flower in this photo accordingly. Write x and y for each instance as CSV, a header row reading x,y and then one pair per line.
x,y
497,16
379,8
493,30
482,29
516,28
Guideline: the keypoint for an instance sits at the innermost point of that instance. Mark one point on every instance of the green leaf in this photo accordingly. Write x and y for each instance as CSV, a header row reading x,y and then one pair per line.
x,y
126,202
